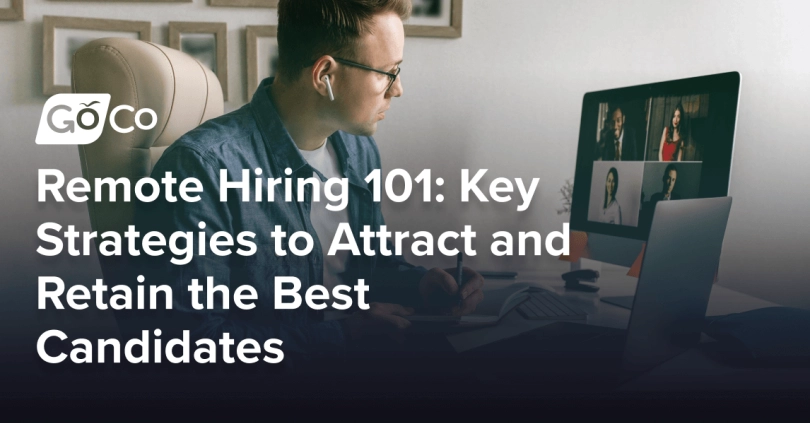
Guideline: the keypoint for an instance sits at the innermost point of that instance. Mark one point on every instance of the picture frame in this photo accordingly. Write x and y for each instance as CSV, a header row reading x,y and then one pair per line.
x,y
205,41
435,18
15,12
261,55
272,4
63,35
130,1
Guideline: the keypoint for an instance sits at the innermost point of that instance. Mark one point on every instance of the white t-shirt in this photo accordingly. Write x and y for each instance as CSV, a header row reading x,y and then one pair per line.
x,y
612,214
325,221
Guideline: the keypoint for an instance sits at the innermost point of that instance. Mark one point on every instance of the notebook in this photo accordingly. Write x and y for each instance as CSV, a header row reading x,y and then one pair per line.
x,y
496,304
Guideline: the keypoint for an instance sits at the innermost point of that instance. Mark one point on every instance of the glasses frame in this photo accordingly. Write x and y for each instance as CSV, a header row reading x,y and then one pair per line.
x,y
390,75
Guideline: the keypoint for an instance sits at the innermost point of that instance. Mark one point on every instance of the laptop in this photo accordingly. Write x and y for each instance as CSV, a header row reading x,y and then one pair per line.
x,y
679,267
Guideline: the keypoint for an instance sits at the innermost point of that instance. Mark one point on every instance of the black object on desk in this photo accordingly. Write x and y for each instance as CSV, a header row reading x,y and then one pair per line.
x,y
573,280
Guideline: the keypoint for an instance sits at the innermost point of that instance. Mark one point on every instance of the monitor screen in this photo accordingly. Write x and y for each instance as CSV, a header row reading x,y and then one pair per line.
x,y
657,142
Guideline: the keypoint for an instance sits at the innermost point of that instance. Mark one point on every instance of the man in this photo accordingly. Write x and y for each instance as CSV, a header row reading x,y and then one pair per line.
x,y
617,142
668,190
337,74
667,193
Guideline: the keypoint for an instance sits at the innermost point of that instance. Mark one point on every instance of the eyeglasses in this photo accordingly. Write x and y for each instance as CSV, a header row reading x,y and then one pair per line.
x,y
391,76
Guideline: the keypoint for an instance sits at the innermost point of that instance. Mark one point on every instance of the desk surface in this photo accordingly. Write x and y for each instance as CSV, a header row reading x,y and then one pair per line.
x,y
689,371
614,281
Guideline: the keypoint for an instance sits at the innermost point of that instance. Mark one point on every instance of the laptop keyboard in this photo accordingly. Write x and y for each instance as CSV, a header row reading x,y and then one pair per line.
x,y
547,305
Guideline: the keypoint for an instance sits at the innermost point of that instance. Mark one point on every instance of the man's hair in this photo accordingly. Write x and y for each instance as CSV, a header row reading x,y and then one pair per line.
x,y
309,29
613,110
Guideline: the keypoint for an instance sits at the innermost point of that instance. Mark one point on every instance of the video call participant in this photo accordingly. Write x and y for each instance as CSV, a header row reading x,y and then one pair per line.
x,y
668,191
668,179
618,142
672,140
337,75
611,210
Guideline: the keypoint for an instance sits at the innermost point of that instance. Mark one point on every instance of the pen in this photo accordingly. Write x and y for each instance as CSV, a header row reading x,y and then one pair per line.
x,y
459,276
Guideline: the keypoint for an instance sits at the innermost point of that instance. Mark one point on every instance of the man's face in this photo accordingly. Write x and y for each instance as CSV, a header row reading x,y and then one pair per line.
x,y
363,99
669,181
618,122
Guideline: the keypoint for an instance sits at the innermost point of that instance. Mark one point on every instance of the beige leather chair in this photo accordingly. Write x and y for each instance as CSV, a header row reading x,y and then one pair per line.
x,y
181,91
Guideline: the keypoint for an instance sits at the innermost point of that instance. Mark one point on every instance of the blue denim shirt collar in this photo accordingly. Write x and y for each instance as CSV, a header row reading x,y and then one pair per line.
x,y
278,140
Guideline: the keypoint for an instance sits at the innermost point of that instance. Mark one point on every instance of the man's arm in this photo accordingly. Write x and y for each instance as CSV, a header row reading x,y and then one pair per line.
x,y
397,281
186,217
394,279
599,150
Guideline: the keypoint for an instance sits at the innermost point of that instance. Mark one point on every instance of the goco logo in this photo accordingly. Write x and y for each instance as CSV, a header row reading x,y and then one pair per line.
x,y
78,119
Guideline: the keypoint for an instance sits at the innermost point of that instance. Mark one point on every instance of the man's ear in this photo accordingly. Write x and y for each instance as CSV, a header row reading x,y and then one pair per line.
x,y
323,67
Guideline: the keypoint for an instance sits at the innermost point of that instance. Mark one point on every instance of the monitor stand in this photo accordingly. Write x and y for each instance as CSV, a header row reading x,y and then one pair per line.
x,y
624,301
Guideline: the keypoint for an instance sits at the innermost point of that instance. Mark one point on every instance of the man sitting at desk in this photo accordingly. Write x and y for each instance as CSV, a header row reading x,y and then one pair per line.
x,y
338,70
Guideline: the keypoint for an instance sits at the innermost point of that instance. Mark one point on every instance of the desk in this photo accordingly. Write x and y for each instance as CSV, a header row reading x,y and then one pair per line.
x,y
613,282
690,371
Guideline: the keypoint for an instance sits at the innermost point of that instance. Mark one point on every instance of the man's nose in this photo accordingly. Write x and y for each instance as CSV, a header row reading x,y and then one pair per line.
x,y
396,90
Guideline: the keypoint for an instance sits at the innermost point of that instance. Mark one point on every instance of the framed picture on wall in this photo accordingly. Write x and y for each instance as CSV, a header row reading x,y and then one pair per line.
x,y
434,18
133,1
244,3
262,55
12,10
205,41
63,35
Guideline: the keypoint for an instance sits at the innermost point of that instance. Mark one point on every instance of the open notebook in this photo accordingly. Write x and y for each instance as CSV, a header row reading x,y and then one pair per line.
x,y
496,304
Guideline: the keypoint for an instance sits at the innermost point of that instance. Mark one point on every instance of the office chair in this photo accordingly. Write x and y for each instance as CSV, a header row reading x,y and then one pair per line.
x,y
182,93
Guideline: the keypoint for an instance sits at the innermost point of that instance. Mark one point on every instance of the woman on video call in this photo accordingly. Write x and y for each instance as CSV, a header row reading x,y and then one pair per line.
x,y
611,210
671,148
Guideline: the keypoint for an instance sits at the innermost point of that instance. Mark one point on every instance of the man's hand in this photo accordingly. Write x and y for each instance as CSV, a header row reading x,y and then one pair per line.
x,y
379,319
439,289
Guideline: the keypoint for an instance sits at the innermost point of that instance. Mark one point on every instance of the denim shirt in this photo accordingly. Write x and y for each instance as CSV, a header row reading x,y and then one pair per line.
x,y
249,138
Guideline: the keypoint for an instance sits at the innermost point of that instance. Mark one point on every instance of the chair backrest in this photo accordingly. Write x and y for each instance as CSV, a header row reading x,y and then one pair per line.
x,y
182,93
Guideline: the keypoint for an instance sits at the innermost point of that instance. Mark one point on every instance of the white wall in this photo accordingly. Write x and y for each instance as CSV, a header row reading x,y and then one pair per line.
x,y
507,97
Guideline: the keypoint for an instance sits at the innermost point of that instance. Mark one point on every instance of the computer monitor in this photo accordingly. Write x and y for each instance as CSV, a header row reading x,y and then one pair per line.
x,y
648,143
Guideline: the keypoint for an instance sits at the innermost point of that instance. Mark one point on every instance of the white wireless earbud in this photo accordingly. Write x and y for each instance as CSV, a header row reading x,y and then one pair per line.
x,y
329,88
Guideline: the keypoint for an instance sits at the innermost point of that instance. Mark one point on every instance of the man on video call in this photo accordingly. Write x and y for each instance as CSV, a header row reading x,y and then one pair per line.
x,y
617,142
667,193
338,71
668,188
